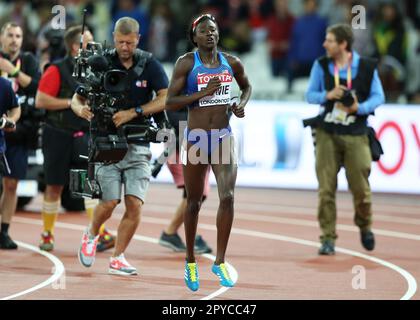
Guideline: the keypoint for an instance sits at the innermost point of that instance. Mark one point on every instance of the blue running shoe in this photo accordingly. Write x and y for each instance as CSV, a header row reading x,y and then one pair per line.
x,y
191,276
223,274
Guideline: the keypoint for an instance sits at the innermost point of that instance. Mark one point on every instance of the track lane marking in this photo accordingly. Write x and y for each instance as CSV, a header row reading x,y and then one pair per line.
x,y
301,222
58,271
411,281
77,227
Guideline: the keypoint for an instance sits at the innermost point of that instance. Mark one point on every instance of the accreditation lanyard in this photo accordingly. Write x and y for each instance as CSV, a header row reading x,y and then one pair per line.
x,y
337,78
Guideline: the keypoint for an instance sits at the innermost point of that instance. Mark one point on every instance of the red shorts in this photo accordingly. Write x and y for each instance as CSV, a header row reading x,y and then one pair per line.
x,y
175,167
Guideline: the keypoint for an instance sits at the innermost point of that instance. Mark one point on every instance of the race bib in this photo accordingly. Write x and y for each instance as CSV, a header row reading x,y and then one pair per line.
x,y
222,95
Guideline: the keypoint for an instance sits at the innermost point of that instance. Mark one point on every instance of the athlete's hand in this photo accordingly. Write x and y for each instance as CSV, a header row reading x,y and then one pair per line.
x,y
238,110
212,86
123,116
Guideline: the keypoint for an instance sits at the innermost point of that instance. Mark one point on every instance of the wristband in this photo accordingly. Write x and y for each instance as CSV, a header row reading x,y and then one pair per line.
x,y
15,72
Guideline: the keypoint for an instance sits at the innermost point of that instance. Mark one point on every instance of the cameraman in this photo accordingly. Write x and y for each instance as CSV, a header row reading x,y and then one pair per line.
x,y
8,105
64,136
146,76
341,135
21,69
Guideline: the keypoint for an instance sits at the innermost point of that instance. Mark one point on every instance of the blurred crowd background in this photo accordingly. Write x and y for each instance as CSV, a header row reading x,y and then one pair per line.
x,y
277,40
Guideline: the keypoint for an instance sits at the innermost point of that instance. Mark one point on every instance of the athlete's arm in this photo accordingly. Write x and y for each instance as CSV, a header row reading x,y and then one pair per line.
x,y
243,83
175,99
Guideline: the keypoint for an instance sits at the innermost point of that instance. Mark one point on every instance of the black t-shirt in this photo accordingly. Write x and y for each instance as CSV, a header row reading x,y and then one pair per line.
x,y
29,65
142,87
31,68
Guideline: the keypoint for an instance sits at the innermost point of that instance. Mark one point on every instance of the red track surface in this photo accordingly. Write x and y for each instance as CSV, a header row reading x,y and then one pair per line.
x,y
267,248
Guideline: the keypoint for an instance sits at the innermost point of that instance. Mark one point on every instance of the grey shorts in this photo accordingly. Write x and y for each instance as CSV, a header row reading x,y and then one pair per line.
x,y
133,172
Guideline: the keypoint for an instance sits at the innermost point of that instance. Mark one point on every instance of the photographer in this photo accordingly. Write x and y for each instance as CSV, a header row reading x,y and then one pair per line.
x,y
21,69
348,89
64,136
146,77
8,105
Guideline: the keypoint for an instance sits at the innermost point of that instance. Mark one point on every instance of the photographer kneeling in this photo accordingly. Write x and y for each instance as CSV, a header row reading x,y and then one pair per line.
x,y
146,76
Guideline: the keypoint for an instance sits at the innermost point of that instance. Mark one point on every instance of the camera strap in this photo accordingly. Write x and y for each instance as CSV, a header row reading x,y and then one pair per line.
x,y
143,58
349,79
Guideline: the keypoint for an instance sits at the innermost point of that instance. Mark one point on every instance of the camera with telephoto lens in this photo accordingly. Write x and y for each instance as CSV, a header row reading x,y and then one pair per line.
x,y
105,89
347,99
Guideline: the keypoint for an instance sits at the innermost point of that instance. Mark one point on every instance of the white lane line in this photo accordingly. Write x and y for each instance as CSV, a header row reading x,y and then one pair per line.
x,y
233,274
71,226
232,271
411,281
58,271
297,209
299,222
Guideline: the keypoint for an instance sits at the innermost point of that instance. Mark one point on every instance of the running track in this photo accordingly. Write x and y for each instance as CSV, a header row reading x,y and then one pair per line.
x,y
272,250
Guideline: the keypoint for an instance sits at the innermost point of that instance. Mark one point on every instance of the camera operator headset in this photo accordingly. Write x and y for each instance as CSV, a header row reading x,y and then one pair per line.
x,y
21,69
146,77
10,111
348,89
64,136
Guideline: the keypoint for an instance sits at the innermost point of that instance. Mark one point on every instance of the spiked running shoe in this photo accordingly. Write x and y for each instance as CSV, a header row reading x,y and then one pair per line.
x,y
106,241
191,276
47,241
87,249
223,274
120,266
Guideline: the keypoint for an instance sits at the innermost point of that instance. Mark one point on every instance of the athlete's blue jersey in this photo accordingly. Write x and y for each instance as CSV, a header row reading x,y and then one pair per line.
x,y
199,77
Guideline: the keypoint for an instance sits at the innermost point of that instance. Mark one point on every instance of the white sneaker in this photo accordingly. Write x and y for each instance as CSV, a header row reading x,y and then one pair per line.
x,y
120,266
87,250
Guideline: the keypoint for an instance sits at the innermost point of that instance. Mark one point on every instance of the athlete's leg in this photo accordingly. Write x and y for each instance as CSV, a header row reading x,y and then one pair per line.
x,y
194,175
225,174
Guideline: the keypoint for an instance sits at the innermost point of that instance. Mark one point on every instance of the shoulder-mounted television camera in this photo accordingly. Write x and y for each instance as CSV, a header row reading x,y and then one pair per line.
x,y
105,88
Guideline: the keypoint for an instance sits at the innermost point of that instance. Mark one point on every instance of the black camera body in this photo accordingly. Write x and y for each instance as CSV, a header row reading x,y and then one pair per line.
x,y
347,99
105,88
